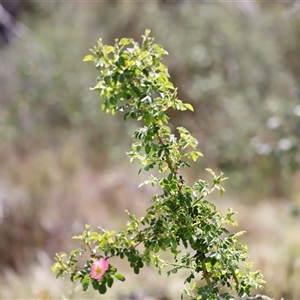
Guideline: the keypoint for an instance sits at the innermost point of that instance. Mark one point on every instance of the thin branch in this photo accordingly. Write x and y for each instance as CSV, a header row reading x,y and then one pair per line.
x,y
168,160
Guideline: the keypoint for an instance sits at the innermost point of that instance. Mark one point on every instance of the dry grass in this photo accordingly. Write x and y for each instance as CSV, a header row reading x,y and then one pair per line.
x,y
66,193
272,236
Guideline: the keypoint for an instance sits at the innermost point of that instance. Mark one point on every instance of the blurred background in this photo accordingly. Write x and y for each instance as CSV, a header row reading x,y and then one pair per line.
x,y
63,162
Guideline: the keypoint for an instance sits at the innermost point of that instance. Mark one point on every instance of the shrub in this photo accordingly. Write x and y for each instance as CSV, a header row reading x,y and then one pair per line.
x,y
133,81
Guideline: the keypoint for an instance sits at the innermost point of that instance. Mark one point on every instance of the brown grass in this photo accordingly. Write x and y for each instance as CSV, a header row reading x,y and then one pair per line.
x,y
56,193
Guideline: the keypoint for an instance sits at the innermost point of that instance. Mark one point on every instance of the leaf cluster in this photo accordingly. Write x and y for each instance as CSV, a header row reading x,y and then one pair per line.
x,y
180,220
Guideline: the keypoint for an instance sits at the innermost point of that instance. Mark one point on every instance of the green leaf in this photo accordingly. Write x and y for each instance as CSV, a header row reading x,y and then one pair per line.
x,y
147,32
110,282
95,284
148,118
120,277
55,267
195,155
125,41
160,50
209,170
147,149
188,106
88,58
102,289
126,115
121,61
60,274
109,49
169,85
140,264
85,286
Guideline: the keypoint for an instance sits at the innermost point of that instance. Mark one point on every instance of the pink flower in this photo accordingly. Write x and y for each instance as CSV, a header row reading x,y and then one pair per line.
x,y
99,267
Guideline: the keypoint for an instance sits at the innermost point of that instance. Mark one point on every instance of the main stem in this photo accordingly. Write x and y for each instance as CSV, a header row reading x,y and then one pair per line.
x,y
206,274
168,160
